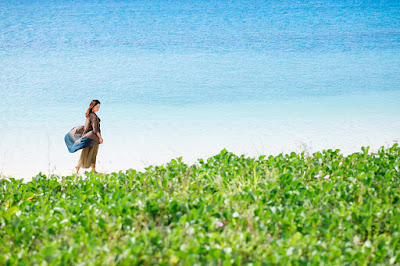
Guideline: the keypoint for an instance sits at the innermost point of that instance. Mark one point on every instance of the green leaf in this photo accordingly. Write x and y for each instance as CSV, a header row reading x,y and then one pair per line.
x,y
10,212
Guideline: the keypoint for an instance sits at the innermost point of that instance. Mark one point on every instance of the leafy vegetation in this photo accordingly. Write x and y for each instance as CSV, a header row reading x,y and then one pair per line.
x,y
228,209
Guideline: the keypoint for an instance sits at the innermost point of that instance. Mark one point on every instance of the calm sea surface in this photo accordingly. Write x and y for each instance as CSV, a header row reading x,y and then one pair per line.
x,y
189,78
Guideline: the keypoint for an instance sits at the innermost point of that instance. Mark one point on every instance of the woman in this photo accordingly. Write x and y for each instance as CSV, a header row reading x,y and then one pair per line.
x,y
87,138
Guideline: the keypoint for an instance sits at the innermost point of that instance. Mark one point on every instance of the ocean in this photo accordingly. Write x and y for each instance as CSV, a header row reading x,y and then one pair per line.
x,y
190,78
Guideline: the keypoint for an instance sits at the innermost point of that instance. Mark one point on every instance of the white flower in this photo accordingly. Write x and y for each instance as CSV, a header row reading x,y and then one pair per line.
x,y
228,250
289,251
190,231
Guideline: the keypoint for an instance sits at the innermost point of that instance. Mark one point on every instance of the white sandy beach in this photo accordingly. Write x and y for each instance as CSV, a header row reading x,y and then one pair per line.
x,y
203,131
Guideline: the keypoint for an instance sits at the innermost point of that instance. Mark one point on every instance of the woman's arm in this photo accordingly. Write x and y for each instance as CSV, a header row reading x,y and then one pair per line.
x,y
100,138
96,127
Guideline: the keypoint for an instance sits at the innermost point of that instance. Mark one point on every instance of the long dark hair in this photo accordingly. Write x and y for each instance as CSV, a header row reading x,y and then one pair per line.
x,y
91,105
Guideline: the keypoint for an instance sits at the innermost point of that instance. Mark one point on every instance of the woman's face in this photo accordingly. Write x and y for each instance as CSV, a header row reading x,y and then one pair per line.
x,y
96,108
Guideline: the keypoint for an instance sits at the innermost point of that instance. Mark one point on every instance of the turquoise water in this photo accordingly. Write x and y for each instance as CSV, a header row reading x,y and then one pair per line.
x,y
188,78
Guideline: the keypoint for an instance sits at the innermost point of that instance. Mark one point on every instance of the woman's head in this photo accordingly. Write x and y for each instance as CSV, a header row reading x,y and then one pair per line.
x,y
94,106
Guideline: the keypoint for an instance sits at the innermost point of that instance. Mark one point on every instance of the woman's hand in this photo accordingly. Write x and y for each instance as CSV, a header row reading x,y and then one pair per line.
x,y
100,138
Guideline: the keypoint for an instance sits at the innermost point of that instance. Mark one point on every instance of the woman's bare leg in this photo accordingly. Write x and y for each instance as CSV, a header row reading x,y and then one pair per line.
x,y
94,168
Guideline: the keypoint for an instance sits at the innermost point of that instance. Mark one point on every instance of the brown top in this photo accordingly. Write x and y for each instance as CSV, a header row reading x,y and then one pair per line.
x,y
91,127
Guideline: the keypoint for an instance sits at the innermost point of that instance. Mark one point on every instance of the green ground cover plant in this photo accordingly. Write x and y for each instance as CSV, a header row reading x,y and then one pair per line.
x,y
325,208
